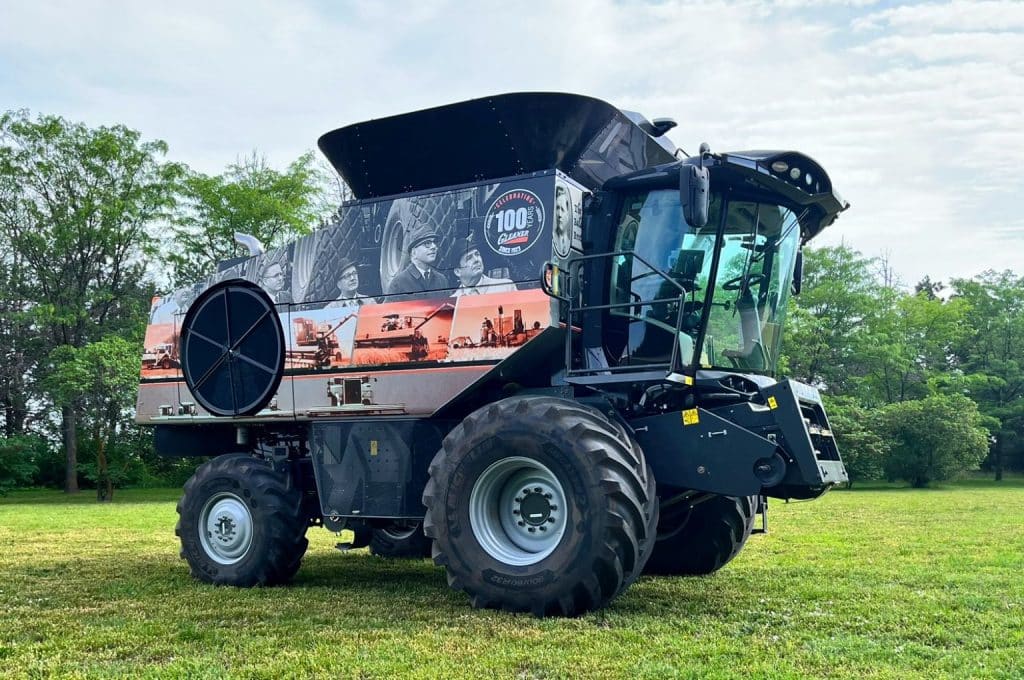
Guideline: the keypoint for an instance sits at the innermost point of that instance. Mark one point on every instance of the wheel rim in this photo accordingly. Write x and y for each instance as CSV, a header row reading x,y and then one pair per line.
x,y
225,528
517,511
400,531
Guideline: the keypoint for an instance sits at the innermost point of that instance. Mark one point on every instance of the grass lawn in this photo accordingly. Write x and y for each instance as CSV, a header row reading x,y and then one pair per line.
x,y
881,582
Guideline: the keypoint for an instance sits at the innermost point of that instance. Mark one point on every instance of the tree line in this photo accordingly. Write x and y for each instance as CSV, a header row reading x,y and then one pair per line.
x,y
920,384
95,221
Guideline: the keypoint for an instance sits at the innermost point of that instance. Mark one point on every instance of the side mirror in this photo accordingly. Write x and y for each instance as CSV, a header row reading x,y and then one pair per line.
x,y
694,194
798,272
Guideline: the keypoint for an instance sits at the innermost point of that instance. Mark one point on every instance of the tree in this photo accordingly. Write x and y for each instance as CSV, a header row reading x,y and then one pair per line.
x,y
933,439
828,321
930,289
17,460
250,197
77,205
101,379
19,344
857,432
910,342
991,357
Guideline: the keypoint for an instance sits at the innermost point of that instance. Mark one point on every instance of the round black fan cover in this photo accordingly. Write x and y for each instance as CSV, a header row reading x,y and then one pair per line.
x,y
232,349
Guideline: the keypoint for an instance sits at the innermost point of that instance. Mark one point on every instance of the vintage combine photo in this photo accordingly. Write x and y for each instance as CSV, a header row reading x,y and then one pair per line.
x,y
403,331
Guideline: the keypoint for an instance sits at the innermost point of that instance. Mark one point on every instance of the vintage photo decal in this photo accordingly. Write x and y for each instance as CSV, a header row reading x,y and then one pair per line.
x,y
273,272
470,271
319,338
399,332
564,216
489,327
160,351
514,222
435,247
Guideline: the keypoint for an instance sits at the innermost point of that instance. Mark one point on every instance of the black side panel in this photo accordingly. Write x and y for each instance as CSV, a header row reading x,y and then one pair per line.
x,y
698,450
175,441
374,468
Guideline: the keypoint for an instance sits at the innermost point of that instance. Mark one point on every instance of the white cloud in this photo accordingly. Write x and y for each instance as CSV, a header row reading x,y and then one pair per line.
x,y
916,113
989,46
962,15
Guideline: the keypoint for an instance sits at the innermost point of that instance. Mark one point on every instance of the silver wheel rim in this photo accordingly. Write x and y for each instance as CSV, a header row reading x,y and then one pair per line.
x,y
517,511
400,531
225,528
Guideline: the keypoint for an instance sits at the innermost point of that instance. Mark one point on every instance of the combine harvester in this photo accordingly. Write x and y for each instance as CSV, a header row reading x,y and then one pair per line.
x,y
558,370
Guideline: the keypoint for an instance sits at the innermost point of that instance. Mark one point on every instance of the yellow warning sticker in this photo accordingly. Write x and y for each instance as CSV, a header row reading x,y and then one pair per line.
x,y
772,404
687,379
690,417
373,447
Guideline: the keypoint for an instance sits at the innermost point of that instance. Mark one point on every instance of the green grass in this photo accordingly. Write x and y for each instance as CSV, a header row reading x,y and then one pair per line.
x,y
880,582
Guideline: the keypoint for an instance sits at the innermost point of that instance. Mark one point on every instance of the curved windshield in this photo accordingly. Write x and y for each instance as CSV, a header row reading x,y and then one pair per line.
x,y
660,282
752,287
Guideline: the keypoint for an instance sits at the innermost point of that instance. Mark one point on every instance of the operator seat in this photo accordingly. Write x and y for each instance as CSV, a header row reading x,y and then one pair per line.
x,y
751,353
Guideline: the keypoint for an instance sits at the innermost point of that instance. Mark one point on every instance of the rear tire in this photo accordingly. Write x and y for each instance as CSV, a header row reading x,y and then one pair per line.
x,y
241,523
705,539
540,504
400,540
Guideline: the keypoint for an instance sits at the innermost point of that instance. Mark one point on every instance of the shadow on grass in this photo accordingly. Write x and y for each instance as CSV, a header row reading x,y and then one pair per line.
x,y
401,590
368,572
420,584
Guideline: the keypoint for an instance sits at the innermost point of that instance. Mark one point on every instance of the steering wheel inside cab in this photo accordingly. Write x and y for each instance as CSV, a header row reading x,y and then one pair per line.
x,y
744,281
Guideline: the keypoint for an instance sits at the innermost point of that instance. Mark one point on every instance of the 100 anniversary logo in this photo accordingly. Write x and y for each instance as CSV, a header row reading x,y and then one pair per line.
x,y
514,222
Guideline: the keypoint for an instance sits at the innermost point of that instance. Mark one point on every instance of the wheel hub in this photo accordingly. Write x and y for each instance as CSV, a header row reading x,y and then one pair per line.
x,y
225,528
517,511
533,507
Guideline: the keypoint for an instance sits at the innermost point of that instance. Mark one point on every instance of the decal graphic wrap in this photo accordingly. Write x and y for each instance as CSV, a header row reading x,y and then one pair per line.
x,y
412,282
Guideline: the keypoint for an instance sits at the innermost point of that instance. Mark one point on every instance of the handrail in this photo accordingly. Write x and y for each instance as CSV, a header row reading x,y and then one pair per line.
x,y
552,277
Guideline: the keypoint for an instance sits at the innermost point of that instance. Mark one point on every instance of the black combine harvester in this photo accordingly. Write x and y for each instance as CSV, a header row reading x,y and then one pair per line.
x,y
551,347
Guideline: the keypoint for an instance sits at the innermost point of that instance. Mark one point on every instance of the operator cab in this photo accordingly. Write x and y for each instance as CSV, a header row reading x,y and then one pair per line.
x,y
710,296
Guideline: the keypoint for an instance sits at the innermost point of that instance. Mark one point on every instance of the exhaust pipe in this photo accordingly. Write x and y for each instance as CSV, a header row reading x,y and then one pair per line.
x,y
250,242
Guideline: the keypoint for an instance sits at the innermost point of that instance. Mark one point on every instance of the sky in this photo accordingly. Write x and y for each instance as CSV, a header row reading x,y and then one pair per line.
x,y
916,110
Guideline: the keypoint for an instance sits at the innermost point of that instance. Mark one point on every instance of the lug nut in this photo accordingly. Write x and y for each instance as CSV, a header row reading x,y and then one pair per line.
x,y
543,528
553,507
548,496
526,491
551,520
521,523
537,489
531,530
515,512
519,499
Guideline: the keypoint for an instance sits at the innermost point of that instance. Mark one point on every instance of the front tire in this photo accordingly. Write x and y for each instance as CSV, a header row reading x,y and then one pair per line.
x,y
241,523
539,504
704,539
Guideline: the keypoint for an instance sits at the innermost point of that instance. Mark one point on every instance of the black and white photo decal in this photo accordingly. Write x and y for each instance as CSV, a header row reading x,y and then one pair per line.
x,y
273,272
468,266
568,229
562,236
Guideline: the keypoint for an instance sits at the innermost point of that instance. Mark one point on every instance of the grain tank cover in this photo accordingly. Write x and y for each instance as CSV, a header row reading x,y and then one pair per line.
x,y
500,136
